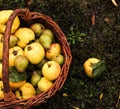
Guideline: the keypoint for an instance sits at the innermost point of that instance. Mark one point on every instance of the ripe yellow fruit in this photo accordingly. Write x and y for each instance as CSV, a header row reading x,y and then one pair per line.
x,y
13,53
26,91
24,35
44,84
16,85
88,66
5,14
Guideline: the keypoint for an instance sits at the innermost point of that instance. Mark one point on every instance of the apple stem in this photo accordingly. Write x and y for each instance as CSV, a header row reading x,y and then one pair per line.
x,y
29,48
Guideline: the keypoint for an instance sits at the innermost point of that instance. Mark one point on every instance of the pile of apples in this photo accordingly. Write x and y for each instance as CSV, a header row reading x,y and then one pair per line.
x,y
35,57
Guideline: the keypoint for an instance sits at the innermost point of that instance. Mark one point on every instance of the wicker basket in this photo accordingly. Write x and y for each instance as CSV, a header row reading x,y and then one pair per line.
x,y
9,98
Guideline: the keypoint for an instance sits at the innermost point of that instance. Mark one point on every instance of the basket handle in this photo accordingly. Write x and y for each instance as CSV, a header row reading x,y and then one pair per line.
x,y
26,15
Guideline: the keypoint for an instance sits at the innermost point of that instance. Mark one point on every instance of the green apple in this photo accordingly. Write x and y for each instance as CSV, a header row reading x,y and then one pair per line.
x,y
24,35
35,78
13,41
21,63
49,33
38,28
59,59
45,41
44,84
34,52
51,70
13,53
54,50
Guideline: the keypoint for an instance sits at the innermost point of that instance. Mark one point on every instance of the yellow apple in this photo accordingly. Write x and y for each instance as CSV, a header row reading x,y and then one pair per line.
x,y
44,84
34,52
24,35
51,70
13,53
26,91
5,14
54,50
88,66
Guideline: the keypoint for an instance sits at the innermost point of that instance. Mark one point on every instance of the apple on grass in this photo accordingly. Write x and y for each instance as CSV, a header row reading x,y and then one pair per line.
x,y
34,52
54,50
51,70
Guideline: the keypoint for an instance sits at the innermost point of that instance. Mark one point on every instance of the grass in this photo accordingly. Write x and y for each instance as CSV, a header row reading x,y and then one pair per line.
x,y
101,41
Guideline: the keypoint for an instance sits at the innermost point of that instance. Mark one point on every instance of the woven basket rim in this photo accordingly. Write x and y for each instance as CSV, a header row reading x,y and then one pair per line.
x,y
28,16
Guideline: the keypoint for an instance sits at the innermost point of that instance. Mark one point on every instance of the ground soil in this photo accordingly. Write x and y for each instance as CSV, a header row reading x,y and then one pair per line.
x,y
99,20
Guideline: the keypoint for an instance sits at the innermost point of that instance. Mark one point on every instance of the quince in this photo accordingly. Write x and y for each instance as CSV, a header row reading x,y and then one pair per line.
x,y
13,53
5,14
26,91
34,52
24,35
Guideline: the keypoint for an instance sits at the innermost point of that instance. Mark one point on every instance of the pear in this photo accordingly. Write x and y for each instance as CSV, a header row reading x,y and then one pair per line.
x,y
21,63
45,41
13,41
37,28
49,32
35,78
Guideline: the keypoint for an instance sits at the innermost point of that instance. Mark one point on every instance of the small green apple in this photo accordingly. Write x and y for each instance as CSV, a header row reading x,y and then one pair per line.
x,y
44,84
49,33
54,50
51,70
21,63
45,41
13,40
35,78
38,28
34,52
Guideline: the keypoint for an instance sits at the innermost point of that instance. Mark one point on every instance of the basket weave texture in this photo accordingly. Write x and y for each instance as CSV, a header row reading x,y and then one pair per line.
x,y
10,102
